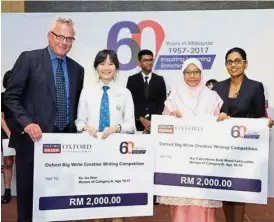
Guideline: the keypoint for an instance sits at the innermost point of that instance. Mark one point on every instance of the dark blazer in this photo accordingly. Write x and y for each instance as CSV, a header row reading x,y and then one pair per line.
x,y
31,96
250,101
154,104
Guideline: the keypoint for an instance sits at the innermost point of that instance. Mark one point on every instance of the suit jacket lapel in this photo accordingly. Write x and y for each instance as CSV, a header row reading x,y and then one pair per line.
x,y
225,90
72,82
49,73
141,84
242,89
151,85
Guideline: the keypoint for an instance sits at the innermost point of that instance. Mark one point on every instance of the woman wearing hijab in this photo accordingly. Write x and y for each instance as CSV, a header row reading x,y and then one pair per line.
x,y
192,98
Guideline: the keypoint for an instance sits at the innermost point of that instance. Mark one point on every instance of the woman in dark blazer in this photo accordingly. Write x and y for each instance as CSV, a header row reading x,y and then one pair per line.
x,y
243,98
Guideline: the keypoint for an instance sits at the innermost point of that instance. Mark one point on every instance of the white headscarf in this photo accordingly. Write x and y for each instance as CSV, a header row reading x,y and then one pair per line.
x,y
193,101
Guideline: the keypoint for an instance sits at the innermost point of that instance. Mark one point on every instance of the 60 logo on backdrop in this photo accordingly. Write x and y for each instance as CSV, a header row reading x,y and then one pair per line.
x,y
134,41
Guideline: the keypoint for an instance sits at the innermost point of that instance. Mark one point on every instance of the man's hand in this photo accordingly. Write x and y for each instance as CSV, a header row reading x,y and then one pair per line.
x,y
108,131
146,131
91,130
34,131
146,123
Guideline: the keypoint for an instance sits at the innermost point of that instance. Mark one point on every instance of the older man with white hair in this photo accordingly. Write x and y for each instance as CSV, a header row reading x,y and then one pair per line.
x,y
42,96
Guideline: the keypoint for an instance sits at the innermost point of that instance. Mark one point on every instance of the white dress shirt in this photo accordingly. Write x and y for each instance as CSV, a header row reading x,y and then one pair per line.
x,y
149,77
121,107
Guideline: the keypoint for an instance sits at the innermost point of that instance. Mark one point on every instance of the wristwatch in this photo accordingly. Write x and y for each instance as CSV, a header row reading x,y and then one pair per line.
x,y
119,128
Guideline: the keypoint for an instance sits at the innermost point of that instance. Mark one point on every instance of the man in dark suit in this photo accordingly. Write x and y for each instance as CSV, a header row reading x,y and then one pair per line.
x,y
42,96
148,91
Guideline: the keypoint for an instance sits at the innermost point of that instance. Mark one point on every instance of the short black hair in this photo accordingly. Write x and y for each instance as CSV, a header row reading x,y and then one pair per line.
x,y
144,52
211,81
6,79
238,50
102,56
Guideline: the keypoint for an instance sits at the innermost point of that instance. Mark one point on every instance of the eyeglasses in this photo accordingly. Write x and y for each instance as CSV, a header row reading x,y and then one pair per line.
x,y
61,38
236,62
195,73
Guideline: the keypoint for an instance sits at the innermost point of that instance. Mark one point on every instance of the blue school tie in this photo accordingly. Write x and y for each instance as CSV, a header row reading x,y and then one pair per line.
x,y
61,94
104,111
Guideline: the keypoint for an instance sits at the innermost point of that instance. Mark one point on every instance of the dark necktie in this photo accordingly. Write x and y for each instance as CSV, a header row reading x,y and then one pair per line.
x,y
104,111
61,116
146,86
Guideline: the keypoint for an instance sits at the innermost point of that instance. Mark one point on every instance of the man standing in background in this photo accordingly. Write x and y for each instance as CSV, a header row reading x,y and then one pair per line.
x,y
148,91
42,96
210,83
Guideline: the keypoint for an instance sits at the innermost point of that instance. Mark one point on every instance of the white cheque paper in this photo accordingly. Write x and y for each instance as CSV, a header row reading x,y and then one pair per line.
x,y
200,158
80,177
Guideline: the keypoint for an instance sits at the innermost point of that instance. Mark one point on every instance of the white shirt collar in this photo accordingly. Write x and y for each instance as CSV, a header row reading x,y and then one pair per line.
x,y
110,84
149,76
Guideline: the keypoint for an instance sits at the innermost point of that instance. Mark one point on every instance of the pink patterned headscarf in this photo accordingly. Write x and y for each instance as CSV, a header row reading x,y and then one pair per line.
x,y
193,101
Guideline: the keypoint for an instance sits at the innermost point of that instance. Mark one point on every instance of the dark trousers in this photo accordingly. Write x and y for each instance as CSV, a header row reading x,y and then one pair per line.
x,y
24,176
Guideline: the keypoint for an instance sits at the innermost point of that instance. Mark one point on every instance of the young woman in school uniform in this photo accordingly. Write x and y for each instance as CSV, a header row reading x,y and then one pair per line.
x,y
106,107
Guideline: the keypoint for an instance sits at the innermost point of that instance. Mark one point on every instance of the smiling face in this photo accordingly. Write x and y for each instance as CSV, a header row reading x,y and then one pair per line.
x,y
192,75
106,70
235,64
61,38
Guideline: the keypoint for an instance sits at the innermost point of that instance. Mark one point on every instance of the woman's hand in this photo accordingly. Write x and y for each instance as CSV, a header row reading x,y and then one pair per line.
x,y
109,130
91,130
270,122
176,113
222,116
